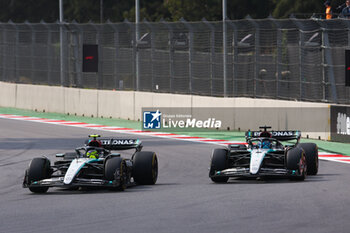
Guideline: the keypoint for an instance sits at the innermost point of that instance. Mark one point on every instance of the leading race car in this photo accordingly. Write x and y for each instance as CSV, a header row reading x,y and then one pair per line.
x,y
264,155
94,165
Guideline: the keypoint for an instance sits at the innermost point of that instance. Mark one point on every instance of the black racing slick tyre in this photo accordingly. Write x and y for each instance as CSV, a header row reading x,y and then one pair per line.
x,y
115,169
145,168
311,153
39,169
219,162
295,160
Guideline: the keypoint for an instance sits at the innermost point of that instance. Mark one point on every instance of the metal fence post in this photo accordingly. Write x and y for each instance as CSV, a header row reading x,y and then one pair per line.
x,y
100,55
149,25
327,56
301,40
257,52
64,58
62,55
171,53
279,54
16,67
301,71
224,54
324,66
212,53
190,47
32,47
134,54
77,53
348,30
3,57
137,37
190,50
48,52
115,57
117,51
235,56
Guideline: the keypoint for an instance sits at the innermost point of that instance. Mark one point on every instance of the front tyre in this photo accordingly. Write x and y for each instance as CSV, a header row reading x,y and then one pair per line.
x,y
311,153
39,169
219,162
115,170
296,161
145,167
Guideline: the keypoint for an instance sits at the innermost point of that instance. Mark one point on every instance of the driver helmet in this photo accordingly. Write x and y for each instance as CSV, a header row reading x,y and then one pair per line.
x,y
95,143
265,134
266,144
92,154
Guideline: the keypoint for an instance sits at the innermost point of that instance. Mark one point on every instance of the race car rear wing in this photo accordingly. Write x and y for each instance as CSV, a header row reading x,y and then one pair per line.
x,y
119,143
278,135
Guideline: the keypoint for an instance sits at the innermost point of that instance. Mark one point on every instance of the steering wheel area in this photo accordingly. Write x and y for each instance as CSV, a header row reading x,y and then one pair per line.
x,y
264,143
82,151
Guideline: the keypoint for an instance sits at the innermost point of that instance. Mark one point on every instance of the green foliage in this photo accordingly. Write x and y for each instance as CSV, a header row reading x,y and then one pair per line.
x,y
150,10
154,10
284,8
85,10
194,10
31,10
257,9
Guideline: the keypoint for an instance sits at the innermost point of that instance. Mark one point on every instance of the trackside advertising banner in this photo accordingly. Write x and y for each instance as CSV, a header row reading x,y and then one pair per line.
x,y
340,123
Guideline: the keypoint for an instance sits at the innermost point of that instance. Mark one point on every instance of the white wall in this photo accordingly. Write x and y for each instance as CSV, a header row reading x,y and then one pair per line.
x,y
129,104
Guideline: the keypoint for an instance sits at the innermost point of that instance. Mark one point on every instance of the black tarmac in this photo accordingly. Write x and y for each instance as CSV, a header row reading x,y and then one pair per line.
x,y
183,200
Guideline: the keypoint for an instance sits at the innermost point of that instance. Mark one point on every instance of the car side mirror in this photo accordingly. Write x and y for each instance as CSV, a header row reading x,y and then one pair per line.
x,y
59,155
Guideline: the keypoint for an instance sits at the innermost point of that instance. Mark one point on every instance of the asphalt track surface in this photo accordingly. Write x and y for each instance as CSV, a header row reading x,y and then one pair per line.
x,y
183,200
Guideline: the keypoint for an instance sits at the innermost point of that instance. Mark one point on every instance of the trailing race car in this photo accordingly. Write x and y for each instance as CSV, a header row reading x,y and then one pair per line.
x,y
265,155
94,165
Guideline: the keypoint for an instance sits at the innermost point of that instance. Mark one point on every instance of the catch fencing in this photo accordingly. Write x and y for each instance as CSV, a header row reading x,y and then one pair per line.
x,y
293,59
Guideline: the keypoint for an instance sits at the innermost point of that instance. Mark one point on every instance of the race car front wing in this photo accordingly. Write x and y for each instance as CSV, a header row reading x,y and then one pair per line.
x,y
245,172
58,182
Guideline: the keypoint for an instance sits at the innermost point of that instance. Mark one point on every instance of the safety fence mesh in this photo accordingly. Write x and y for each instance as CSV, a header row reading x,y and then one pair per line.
x,y
293,59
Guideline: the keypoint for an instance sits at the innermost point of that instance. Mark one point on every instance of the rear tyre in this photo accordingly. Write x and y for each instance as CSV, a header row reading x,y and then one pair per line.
x,y
219,162
311,154
145,167
39,169
115,170
295,160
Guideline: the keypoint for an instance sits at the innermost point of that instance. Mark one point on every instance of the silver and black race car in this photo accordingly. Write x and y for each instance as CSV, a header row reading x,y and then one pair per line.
x,y
94,165
265,154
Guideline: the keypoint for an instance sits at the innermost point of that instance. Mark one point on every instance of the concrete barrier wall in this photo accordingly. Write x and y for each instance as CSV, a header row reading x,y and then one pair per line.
x,y
247,113
8,92
128,105
116,104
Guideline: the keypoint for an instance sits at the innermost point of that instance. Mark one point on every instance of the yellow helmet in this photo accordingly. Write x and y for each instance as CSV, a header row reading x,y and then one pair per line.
x,y
92,154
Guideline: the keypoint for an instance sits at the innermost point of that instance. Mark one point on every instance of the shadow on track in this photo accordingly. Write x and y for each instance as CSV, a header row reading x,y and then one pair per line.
x,y
231,181
97,190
